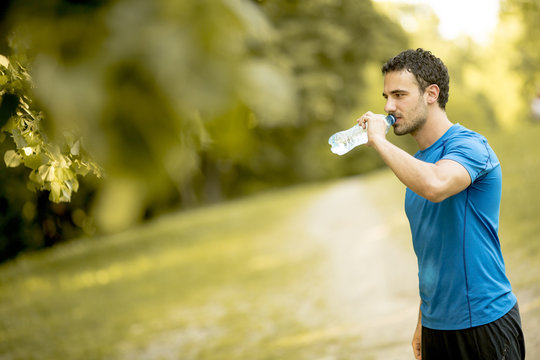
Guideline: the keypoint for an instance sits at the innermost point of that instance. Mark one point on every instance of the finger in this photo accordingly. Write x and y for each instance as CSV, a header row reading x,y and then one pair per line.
x,y
416,349
362,121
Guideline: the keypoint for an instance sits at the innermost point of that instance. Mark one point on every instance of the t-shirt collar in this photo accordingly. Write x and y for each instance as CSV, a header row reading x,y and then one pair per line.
x,y
442,139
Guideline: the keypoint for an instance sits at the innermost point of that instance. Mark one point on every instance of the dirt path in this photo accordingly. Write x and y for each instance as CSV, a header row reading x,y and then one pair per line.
x,y
372,268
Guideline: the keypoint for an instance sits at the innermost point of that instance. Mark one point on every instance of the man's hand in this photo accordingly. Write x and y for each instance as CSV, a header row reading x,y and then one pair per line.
x,y
417,342
375,124
417,337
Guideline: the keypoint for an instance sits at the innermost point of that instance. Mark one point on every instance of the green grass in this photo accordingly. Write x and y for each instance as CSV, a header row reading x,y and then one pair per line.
x,y
198,284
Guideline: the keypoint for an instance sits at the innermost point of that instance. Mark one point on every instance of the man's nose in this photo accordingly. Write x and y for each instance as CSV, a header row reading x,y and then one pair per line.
x,y
390,106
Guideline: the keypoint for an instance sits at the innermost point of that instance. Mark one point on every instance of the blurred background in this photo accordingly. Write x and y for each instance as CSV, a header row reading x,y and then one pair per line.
x,y
183,104
116,113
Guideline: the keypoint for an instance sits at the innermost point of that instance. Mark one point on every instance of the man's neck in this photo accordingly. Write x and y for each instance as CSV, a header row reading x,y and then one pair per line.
x,y
436,125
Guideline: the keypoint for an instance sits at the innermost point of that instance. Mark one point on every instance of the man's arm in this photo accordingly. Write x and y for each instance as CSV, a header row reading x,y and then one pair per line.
x,y
434,182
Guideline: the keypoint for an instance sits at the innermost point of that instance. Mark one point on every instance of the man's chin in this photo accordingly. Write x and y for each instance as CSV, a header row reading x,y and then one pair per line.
x,y
399,131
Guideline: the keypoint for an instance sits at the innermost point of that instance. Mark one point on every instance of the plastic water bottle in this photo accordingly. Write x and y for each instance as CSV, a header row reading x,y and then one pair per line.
x,y
344,141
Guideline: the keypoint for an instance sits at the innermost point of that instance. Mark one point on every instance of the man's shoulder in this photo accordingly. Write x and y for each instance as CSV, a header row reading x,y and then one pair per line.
x,y
462,137
462,133
472,150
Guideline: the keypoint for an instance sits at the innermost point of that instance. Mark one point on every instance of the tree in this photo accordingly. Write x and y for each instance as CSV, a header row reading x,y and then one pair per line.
x,y
183,102
141,84
326,45
528,62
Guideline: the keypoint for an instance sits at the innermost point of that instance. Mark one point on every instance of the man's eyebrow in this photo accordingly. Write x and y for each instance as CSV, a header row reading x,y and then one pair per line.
x,y
395,92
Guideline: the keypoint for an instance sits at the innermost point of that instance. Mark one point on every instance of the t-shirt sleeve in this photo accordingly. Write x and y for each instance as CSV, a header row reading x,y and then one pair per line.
x,y
473,152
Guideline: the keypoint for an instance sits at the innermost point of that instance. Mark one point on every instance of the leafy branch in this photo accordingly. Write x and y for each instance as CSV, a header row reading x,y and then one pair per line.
x,y
54,168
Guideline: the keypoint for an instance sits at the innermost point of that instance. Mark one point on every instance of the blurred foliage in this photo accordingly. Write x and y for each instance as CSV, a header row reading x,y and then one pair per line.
x,y
53,168
528,62
184,103
190,103
29,221
327,45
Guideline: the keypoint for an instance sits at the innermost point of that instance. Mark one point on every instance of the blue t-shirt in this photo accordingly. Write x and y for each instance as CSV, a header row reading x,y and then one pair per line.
x,y
460,265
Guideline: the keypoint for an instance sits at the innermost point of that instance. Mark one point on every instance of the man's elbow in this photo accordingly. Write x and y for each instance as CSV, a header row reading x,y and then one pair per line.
x,y
436,198
434,193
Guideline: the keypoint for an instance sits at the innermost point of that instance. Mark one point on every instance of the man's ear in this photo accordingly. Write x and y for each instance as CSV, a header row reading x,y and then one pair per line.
x,y
432,93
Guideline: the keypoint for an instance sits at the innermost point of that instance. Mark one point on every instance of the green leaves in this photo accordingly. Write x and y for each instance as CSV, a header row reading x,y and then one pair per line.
x,y
4,62
12,159
60,181
54,168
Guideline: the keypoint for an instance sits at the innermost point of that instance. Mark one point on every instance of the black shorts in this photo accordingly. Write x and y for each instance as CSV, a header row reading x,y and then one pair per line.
x,y
501,340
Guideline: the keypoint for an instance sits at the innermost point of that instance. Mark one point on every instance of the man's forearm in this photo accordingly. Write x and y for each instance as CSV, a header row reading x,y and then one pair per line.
x,y
413,173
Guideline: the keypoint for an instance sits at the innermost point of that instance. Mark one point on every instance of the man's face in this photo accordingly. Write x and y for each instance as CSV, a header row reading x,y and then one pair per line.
x,y
405,101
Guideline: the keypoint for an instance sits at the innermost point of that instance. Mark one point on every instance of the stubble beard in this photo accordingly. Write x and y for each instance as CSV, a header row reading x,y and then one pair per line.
x,y
412,126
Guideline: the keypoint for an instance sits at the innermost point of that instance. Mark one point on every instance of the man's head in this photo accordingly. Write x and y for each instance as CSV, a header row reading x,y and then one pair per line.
x,y
426,68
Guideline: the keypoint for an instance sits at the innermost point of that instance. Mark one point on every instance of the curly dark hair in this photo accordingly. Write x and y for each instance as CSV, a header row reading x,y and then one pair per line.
x,y
426,68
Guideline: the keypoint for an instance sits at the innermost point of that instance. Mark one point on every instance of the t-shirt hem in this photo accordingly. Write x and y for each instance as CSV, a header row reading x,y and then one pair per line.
x,y
495,318
474,323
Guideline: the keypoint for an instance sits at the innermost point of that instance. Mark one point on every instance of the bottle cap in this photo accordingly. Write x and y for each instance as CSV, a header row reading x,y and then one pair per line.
x,y
391,119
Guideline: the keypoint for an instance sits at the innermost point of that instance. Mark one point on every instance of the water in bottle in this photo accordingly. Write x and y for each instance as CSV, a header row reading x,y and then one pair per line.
x,y
344,141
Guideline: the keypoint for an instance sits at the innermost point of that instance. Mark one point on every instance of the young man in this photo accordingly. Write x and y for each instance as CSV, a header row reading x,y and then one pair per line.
x,y
467,309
